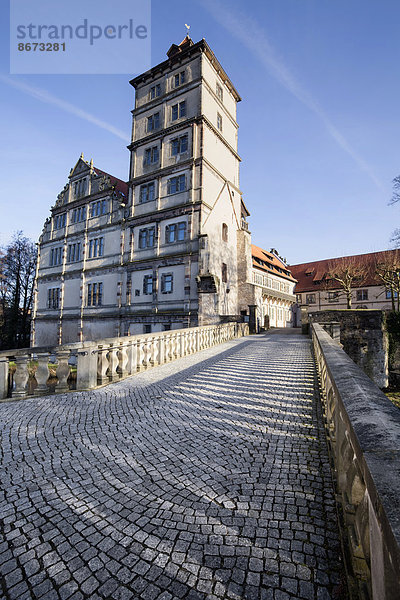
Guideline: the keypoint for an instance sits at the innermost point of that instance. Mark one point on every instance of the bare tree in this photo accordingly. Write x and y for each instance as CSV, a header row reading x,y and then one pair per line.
x,y
396,190
388,271
395,238
349,272
16,290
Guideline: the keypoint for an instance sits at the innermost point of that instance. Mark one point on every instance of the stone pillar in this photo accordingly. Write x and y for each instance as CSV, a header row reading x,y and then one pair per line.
x,y
86,375
3,378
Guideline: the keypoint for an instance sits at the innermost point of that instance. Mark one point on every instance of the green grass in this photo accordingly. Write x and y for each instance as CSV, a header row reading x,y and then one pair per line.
x,y
394,397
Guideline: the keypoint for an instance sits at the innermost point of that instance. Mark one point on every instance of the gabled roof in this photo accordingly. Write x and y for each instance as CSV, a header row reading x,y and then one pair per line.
x,y
175,49
270,263
83,166
120,186
314,275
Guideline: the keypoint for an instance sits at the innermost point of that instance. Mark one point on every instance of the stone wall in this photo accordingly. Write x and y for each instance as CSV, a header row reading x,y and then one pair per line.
x,y
363,337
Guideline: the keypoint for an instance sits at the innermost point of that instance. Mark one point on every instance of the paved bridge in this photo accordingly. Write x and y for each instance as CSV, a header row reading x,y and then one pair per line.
x,y
205,478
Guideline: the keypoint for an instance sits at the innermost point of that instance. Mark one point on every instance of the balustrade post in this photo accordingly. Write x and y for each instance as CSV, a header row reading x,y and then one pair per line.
x,y
102,365
161,349
155,352
86,367
4,370
167,347
63,370
21,376
133,357
42,374
123,360
113,362
141,353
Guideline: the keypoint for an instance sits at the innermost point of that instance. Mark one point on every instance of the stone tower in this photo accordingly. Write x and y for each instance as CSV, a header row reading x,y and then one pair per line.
x,y
186,211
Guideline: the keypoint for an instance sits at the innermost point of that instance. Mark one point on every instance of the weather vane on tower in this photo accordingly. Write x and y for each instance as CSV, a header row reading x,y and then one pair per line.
x,y
187,29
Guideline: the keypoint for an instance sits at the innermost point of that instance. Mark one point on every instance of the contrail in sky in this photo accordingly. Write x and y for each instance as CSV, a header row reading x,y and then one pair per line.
x,y
247,31
48,98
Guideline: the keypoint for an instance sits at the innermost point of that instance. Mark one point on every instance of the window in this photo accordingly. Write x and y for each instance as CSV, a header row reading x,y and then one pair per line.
x,y
310,298
147,192
362,295
79,188
96,247
146,328
147,237
155,91
167,283
148,284
53,298
95,294
220,92
74,252
175,232
60,220
176,184
224,232
179,110
224,273
78,214
298,298
219,121
389,294
151,155
179,79
98,208
333,296
56,256
179,145
153,122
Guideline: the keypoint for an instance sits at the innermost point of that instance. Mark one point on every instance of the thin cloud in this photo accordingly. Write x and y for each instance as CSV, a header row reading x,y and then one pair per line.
x,y
247,31
47,98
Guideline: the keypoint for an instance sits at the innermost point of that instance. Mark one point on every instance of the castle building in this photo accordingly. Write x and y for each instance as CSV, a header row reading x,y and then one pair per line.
x,y
187,212
316,289
80,274
162,251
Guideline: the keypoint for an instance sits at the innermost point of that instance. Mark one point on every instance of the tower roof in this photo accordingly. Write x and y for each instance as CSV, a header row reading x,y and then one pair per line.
x,y
176,54
187,42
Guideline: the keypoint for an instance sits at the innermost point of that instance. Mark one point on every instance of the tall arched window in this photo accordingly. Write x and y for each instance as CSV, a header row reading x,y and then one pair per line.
x,y
224,232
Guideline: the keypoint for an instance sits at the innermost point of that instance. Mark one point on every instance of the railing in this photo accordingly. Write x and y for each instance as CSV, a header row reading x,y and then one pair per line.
x,y
364,433
106,360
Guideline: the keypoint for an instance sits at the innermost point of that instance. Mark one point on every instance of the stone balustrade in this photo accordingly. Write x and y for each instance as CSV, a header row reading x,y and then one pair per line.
x,y
108,360
364,433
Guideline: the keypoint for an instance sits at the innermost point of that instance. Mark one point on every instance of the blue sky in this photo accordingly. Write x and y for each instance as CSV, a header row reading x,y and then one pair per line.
x,y
319,121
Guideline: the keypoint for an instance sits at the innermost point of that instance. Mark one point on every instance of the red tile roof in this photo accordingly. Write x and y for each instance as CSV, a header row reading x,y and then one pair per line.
x,y
120,186
270,263
313,275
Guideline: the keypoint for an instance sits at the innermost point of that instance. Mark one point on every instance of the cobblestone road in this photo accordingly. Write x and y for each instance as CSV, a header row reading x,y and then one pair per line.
x,y
206,478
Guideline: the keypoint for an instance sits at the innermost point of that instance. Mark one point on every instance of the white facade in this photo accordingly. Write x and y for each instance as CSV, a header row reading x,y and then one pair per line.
x,y
186,206
80,277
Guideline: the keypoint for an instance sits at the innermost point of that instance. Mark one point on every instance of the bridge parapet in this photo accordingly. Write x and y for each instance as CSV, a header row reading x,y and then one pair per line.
x,y
364,433
104,361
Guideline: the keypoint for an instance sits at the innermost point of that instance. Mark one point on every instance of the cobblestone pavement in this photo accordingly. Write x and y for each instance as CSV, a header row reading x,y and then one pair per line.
x,y
206,478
